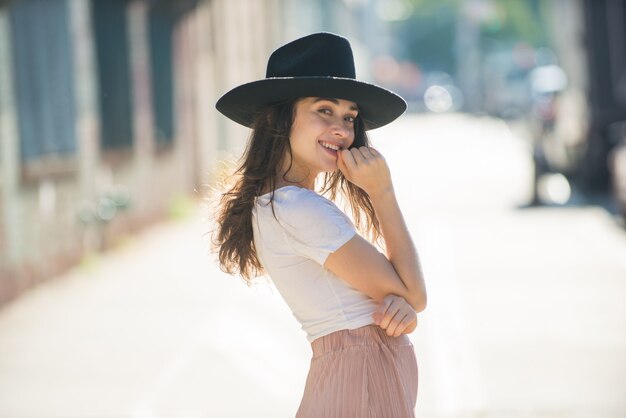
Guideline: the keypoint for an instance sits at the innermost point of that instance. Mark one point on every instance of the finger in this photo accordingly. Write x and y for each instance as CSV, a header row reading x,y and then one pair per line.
x,y
341,165
374,152
368,156
397,319
389,315
348,160
393,325
402,326
386,303
376,155
382,309
387,310
412,325
359,158
368,152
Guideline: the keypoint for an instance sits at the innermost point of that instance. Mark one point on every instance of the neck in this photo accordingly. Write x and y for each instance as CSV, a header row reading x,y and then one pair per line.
x,y
283,181
296,176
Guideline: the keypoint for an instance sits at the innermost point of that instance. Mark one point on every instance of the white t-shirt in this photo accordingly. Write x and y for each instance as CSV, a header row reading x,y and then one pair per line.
x,y
293,246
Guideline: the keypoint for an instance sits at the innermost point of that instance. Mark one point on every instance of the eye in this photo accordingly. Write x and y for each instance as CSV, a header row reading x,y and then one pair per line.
x,y
325,111
350,118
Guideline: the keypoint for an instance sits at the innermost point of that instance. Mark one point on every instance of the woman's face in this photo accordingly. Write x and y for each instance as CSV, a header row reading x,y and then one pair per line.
x,y
321,127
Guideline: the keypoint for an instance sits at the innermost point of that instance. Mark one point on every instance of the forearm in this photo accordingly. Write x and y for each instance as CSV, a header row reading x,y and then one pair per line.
x,y
400,249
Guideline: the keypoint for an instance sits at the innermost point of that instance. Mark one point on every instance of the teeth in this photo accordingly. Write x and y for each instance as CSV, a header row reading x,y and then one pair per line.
x,y
330,146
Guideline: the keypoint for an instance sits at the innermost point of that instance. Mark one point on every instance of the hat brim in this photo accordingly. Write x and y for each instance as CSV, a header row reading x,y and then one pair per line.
x,y
377,106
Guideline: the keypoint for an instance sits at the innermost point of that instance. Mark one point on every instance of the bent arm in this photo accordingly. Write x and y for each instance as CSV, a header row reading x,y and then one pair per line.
x,y
359,262
366,269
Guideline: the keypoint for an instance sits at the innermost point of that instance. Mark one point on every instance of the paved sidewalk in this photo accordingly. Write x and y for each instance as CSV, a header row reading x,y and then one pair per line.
x,y
525,319
152,329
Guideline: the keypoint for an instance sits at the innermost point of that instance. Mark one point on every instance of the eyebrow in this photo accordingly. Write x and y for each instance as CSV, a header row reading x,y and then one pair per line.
x,y
335,101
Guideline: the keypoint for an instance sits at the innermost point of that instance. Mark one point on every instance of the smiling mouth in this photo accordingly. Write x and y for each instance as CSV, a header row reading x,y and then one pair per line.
x,y
330,146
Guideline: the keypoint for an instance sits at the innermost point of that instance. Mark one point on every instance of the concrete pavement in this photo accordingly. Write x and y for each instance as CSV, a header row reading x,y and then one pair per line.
x,y
525,318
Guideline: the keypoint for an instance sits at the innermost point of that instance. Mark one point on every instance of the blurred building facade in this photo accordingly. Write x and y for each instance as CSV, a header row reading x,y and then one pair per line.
x,y
107,112
107,116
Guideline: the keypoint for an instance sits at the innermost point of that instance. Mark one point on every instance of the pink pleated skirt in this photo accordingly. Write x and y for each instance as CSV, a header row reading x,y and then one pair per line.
x,y
360,373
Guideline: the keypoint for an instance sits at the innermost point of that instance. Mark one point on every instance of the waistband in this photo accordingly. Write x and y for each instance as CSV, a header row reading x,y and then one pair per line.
x,y
370,335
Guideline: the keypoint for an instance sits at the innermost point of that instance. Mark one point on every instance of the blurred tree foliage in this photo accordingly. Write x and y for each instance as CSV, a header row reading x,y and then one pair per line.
x,y
429,34
518,20
431,31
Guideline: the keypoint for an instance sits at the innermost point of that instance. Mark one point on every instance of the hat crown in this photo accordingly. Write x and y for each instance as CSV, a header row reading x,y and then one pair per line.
x,y
317,55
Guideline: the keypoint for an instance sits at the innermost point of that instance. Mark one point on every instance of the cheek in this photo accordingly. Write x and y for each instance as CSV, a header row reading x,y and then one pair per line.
x,y
295,135
306,133
300,146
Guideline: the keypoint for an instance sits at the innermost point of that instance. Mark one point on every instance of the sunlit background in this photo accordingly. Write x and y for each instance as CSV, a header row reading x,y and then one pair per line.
x,y
510,165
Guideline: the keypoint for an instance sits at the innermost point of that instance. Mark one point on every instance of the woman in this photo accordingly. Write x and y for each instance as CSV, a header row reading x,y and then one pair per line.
x,y
308,119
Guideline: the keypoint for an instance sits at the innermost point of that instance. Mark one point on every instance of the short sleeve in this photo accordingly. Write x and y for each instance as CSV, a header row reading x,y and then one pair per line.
x,y
314,226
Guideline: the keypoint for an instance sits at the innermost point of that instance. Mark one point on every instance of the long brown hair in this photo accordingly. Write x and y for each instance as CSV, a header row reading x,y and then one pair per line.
x,y
262,162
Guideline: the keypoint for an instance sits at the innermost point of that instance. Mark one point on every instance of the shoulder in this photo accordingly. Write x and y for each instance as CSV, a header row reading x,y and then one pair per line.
x,y
303,208
313,225
298,198
291,201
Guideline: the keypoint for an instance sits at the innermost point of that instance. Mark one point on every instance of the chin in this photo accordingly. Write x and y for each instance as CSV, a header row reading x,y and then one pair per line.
x,y
330,169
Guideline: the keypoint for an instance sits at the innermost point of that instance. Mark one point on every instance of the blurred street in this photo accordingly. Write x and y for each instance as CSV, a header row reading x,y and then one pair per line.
x,y
526,313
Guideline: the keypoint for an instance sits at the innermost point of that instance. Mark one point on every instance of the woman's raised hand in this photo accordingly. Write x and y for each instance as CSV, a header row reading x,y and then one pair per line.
x,y
395,316
366,167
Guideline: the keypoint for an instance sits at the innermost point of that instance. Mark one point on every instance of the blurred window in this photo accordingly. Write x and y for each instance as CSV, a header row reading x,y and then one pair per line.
x,y
161,71
43,74
111,37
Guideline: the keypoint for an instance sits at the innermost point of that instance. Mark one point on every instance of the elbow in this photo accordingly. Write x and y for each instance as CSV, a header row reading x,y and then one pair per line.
x,y
420,306
419,303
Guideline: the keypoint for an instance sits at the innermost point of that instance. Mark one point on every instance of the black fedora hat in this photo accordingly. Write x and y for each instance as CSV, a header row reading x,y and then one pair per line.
x,y
317,65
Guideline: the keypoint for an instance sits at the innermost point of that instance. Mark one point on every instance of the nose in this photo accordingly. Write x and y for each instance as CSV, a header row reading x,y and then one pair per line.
x,y
340,130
